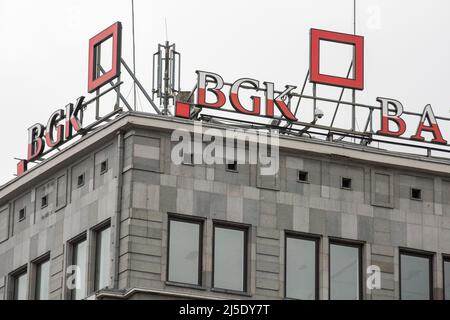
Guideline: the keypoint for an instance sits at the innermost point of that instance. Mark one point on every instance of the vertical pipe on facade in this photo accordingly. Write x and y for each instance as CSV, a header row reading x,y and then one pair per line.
x,y
118,206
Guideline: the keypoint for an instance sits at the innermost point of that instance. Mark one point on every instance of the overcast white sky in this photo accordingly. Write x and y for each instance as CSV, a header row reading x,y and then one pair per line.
x,y
44,47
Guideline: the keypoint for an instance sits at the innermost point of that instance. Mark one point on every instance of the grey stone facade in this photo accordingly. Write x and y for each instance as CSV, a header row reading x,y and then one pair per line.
x,y
142,186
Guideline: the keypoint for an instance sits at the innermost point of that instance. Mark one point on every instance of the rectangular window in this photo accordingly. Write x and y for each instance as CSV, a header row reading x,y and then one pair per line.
x,y
20,285
22,214
301,267
447,278
104,167
188,158
230,255
345,271
42,280
102,258
44,201
80,180
346,183
302,176
79,264
415,276
232,166
416,194
185,243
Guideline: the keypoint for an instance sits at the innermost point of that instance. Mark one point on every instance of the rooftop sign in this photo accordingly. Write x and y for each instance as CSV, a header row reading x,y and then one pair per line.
x,y
267,100
391,111
65,123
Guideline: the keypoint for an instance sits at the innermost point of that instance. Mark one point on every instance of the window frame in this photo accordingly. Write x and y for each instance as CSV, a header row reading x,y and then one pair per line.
x,y
419,254
235,164
411,194
83,175
350,180
35,264
70,261
104,170
308,237
200,221
445,258
353,244
13,277
191,161
239,227
20,219
44,205
97,230
306,173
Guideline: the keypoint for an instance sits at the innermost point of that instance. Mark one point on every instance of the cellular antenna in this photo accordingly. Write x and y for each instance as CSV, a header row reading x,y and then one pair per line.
x,y
166,75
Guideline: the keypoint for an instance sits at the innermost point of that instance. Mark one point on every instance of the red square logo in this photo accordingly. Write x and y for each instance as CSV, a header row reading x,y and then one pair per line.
x,y
356,41
21,167
182,110
114,32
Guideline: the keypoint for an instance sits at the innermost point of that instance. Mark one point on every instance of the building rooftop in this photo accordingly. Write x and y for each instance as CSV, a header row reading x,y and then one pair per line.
x,y
134,119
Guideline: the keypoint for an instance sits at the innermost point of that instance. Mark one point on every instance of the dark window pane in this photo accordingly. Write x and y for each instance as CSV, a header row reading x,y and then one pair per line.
x,y
80,180
104,167
79,260
346,183
102,259
447,279
184,247
344,272
229,248
22,214
416,194
20,286
42,280
303,176
415,277
232,166
300,269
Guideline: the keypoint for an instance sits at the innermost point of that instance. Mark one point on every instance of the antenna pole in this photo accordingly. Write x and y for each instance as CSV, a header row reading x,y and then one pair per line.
x,y
167,34
166,93
166,78
354,70
134,52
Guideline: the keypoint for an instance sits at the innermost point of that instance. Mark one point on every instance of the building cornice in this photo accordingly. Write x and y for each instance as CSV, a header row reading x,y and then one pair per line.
x,y
129,120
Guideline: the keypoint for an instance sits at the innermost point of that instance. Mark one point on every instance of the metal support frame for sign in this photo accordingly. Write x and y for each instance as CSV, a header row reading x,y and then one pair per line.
x,y
340,97
141,87
120,97
98,72
136,81
298,128
300,99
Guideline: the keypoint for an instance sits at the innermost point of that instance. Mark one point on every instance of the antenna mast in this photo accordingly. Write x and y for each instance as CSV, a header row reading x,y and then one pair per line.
x,y
166,75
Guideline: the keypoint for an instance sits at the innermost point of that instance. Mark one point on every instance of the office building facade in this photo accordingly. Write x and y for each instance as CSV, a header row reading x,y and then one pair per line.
x,y
112,217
